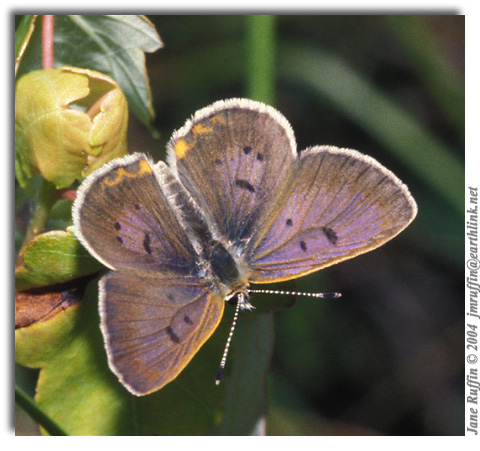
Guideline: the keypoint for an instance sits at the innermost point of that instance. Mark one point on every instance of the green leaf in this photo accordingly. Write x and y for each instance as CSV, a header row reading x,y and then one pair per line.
x,y
246,399
77,390
52,258
114,45
75,387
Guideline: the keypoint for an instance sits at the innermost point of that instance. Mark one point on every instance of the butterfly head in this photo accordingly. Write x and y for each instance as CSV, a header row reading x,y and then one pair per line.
x,y
239,296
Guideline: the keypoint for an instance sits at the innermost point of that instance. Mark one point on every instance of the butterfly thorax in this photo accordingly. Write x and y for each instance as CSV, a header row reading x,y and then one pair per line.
x,y
222,263
225,269
216,259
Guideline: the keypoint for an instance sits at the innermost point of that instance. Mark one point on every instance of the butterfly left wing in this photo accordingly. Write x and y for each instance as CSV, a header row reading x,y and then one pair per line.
x,y
336,204
122,215
153,326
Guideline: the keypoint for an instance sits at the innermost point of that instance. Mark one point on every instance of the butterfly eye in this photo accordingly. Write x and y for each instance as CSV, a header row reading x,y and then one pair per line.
x,y
233,300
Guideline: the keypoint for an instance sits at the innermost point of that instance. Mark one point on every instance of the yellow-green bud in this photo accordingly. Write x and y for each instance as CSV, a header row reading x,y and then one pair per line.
x,y
68,122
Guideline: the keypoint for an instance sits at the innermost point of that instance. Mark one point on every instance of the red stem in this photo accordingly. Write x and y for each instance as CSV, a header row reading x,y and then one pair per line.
x,y
66,193
47,41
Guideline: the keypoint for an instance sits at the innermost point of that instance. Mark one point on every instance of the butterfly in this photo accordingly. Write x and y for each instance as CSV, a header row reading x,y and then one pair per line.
x,y
236,204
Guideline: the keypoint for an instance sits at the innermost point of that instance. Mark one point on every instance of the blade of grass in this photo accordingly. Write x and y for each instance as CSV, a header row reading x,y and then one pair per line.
x,y
33,409
260,44
22,35
421,46
373,110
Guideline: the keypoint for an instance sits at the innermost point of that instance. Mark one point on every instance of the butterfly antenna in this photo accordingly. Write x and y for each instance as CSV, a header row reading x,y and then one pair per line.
x,y
227,345
297,293
235,317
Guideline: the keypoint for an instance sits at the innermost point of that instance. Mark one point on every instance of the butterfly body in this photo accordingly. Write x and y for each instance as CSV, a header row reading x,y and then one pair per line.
x,y
220,262
235,205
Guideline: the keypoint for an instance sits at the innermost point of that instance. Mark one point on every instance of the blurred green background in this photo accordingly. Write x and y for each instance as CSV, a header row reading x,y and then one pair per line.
x,y
386,358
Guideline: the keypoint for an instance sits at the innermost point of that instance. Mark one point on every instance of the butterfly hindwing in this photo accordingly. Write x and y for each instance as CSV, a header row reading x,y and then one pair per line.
x,y
153,326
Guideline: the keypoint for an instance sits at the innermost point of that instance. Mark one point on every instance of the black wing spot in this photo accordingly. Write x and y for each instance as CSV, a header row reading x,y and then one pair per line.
x,y
120,239
247,150
260,156
137,207
330,234
146,243
187,320
173,336
117,226
303,246
289,222
244,185
217,162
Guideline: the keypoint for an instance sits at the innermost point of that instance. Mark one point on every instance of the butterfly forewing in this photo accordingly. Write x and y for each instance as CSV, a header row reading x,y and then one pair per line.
x,y
337,204
122,216
233,157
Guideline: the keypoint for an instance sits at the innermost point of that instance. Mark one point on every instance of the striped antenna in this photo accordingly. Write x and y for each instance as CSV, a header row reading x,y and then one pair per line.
x,y
227,345
243,303
297,293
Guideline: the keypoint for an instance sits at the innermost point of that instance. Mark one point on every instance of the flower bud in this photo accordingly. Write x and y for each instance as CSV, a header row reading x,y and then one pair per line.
x,y
68,122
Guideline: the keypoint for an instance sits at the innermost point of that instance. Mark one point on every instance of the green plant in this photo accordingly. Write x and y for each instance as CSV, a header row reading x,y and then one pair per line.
x,y
383,85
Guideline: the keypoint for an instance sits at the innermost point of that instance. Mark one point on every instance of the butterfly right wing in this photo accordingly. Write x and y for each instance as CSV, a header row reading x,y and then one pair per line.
x,y
153,326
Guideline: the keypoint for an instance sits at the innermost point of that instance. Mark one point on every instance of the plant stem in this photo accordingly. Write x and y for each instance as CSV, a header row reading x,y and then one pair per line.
x,y
34,410
47,41
260,41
